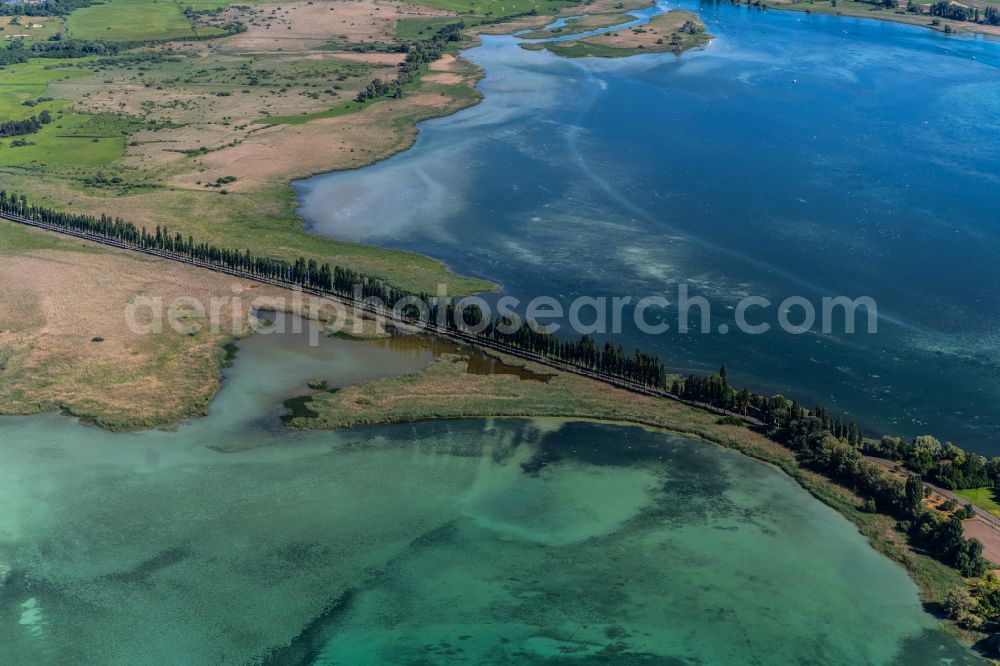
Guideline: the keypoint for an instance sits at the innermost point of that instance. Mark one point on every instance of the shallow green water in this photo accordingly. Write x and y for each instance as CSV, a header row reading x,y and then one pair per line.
x,y
424,543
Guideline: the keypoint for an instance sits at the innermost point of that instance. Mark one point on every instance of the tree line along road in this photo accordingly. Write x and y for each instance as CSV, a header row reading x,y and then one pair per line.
x,y
388,314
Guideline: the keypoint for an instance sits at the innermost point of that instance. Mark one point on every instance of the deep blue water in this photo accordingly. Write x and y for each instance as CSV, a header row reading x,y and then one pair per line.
x,y
796,155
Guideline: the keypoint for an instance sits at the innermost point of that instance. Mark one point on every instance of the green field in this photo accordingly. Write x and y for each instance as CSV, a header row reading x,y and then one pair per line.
x,y
984,498
50,147
28,82
136,20
22,83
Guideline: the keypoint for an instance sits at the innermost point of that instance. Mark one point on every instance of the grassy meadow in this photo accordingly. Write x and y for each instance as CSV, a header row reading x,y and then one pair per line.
x,y
417,85
264,221
27,82
584,49
136,20
984,498
23,93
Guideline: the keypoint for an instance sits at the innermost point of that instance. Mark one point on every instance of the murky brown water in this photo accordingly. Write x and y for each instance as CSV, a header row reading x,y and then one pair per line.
x,y
479,362
303,335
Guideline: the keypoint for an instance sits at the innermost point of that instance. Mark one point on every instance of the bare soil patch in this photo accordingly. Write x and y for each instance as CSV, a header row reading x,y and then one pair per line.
x,y
382,59
989,536
444,78
445,63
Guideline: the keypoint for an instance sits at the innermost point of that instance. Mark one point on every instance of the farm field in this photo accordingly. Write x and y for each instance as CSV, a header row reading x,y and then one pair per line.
x,y
136,20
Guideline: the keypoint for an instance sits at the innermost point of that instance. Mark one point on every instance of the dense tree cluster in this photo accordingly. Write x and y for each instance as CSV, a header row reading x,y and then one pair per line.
x,y
888,4
612,360
948,10
716,391
55,46
711,389
370,47
691,28
979,610
944,539
429,50
26,126
47,8
14,54
958,12
377,88
943,464
805,433
417,54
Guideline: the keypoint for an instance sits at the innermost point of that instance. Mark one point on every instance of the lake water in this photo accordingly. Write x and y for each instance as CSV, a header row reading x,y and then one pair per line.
x,y
796,155
231,539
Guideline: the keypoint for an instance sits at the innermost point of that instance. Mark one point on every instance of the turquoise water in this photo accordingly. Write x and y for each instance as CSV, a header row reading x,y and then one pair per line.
x,y
232,540
796,155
